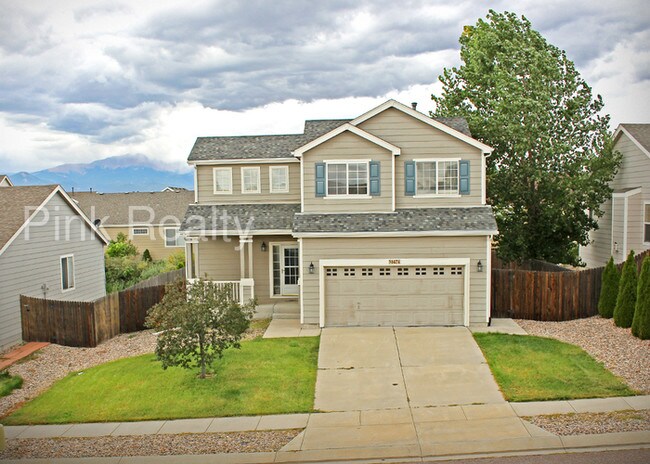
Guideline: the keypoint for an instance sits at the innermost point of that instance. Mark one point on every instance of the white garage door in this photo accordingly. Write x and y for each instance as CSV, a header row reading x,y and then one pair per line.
x,y
394,296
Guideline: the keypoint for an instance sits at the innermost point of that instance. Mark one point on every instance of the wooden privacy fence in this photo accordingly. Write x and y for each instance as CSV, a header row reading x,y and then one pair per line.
x,y
548,296
87,323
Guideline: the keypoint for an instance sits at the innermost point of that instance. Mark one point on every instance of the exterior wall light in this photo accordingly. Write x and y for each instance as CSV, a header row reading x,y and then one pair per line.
x,y
263,247
479,266
311,268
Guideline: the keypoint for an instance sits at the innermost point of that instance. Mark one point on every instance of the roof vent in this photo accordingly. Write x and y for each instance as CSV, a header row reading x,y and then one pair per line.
x,y
414,105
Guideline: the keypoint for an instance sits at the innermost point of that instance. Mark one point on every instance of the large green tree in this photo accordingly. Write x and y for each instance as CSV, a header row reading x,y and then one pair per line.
x,y
553,158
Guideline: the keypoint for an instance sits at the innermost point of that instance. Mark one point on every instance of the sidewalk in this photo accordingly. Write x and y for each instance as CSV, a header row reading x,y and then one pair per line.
x,y
406,434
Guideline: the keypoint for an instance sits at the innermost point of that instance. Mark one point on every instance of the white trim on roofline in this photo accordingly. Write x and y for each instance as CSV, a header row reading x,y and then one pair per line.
x,y
434,233
244,161
629,193
621,130
235,233
58,189
425,119
349,128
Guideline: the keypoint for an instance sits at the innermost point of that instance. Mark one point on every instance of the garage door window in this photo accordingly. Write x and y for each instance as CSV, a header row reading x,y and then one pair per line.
x,y
456,271
438,271
384,271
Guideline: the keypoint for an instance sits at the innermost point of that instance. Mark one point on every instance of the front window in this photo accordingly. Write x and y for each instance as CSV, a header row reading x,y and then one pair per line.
x,y
347,178
67,272
222,180
437,177
279,179
250,180
173,238
646,224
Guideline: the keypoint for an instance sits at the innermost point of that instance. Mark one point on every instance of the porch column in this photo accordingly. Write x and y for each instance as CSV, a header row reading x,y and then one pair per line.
x,y
250,258
242,257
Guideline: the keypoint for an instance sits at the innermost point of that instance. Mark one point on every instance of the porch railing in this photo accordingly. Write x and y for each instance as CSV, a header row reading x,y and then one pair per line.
x,y
242,290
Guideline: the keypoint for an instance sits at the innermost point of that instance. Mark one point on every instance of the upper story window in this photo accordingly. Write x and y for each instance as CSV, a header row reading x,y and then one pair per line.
x,y
173,238
140,231
222,180
347,178
67,272
279,179
646,224
250,180
437,177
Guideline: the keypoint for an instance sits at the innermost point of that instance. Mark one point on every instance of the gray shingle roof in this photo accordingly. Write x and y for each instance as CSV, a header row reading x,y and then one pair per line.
x,y
278,146
239,218
14,200
113,208
641,132
403,220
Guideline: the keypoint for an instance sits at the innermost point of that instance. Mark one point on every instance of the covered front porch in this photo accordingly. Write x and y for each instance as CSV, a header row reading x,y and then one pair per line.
x,y
263,267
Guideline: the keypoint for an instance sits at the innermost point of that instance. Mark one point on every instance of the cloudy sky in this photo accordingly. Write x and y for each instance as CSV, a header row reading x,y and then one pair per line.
x,y
84,80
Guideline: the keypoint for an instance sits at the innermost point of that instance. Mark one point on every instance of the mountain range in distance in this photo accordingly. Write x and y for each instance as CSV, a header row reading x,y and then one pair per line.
x,y
126,173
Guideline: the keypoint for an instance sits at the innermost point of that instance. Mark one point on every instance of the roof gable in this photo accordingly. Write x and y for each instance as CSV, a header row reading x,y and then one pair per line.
x,y
454,132
17,201
638,133
346,128
5,181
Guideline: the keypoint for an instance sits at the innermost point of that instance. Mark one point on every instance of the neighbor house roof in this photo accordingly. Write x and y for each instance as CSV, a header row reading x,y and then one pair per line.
x,y
121,209
639,133
5,178
281,146
240,219
20,203
412,220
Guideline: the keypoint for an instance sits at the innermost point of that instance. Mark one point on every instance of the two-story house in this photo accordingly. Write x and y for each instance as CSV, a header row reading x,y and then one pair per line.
x,y
625,224
376,221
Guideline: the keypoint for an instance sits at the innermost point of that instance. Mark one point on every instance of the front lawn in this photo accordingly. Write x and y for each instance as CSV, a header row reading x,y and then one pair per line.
x,y
267,376
531,368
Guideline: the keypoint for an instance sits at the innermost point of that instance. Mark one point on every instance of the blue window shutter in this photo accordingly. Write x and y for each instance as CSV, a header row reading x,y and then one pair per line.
x,y
375,181
320,179
409,178
463,167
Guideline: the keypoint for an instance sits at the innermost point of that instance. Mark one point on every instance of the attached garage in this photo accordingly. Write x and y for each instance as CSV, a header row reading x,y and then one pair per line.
x,y
404,293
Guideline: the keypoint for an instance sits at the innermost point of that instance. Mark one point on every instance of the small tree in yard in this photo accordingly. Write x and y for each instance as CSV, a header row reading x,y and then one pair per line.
x,y
641,321
626,300
609,290
198,323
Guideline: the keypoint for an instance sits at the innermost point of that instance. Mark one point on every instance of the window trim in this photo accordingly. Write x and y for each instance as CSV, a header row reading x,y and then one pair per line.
x,y
644,223
74,277
214,181
177,229
437,195
278,168
259,179
347,162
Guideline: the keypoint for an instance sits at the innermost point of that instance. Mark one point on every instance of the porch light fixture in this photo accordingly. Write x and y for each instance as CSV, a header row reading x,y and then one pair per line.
x,y
311,268
263,247
479,266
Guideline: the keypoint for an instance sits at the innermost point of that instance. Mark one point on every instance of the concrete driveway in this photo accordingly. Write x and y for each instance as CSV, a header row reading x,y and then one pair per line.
x,y
385,368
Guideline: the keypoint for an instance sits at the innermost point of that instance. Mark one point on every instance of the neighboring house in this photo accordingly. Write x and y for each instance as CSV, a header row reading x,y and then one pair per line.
x,y
625,224
150,219
48,249
175,189
379,220
5,181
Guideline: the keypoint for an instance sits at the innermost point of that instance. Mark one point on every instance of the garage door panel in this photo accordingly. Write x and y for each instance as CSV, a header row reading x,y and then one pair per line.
x,y
398,296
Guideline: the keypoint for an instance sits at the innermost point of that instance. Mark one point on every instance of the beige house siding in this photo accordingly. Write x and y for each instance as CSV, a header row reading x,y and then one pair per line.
x,y
418,140
474,248
205,185
633,172
154,242
348,146
220,260
33,259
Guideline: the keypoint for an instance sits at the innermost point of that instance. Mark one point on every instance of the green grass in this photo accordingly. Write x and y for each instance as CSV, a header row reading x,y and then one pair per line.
x,y
9,382
267,376
531,368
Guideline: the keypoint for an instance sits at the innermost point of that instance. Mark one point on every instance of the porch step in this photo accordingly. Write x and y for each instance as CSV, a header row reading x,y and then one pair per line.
x,y
286,310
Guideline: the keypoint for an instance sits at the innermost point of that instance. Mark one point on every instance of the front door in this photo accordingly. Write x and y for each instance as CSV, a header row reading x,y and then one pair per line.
x,y
289,269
